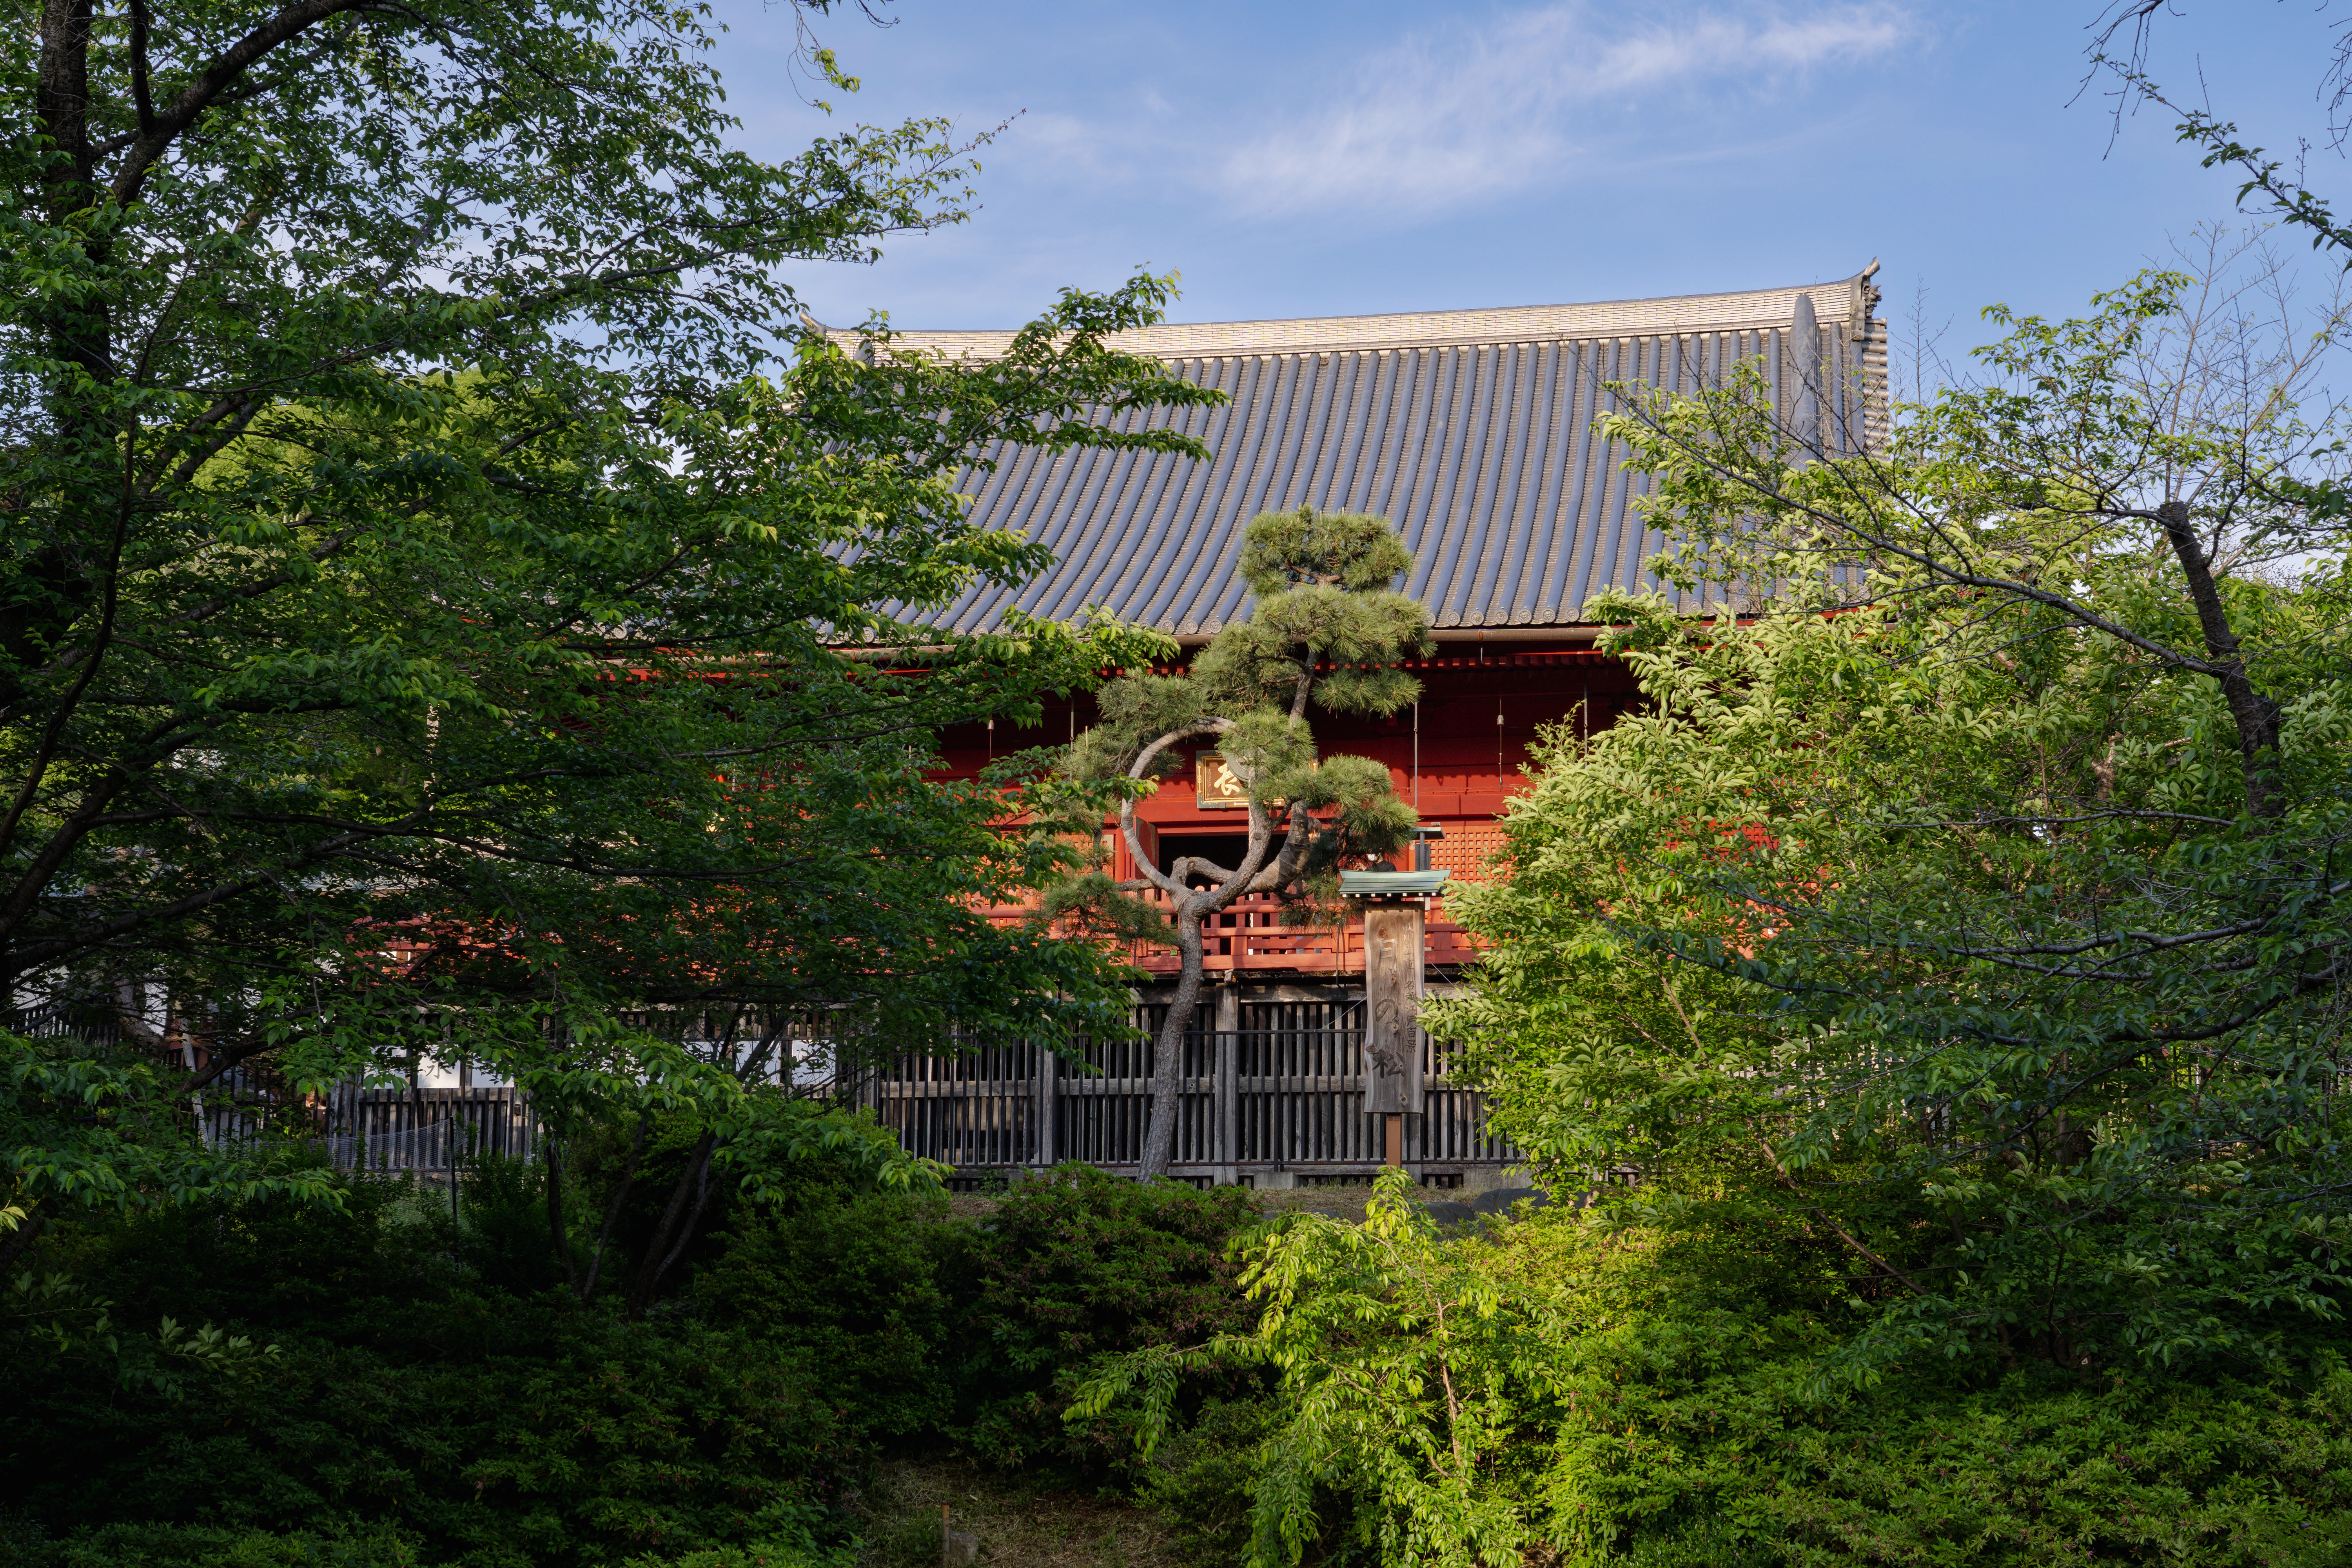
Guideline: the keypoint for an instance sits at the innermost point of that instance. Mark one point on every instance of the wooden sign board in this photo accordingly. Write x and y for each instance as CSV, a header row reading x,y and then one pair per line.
x,y
1392,982
1215,786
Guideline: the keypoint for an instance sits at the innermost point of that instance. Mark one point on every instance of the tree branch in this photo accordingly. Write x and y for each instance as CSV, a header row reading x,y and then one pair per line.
x,y
138,89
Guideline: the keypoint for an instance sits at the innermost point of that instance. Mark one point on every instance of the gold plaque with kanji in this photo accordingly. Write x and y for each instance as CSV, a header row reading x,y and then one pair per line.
x,y
1215,786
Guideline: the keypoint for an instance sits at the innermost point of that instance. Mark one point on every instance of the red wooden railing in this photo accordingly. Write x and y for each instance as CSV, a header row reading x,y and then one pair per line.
x,y
1248,935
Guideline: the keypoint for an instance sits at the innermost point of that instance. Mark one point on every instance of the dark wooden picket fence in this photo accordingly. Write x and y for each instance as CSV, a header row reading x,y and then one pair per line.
x,y
1282,1103
428,1132
1276,1101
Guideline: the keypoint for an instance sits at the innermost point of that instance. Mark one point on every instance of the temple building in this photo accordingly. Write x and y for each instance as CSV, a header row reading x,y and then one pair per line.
x,y
1473,432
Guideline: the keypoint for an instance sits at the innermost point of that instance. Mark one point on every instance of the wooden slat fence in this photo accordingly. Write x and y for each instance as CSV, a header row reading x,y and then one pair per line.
x,y
49,1020
424,1131
1283,1092
1263,1099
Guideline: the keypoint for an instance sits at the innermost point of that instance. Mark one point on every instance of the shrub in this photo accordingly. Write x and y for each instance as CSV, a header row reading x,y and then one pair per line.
x,y
854,1285
201,1546
276,1267
578,1440
1566,1392
1073,1266
205,1546
1202,1481
503,1235
486,1428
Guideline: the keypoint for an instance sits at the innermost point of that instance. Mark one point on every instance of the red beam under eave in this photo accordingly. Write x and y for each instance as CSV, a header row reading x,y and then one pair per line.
x,y
1467,762
1451,759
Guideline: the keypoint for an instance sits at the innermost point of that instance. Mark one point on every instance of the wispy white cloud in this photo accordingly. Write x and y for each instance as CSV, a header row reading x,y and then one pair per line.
x,y
1446,119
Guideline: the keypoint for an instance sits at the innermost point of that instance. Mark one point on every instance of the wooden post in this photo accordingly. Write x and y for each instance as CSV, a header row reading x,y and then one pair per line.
x,y
1228,1022
1049,1084
1394,931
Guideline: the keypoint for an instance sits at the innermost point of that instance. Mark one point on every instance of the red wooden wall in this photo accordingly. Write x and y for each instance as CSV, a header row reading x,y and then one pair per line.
x,y
1452,759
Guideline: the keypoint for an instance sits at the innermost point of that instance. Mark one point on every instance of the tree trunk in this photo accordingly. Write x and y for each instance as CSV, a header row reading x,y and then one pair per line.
x,y
660,1252
558,1236
586,1289
1190,909
1168,1054
80,335
2255,715
679,1218
62,103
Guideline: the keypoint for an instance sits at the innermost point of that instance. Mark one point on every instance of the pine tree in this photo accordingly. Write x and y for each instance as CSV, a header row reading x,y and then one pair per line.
x,y
1327,631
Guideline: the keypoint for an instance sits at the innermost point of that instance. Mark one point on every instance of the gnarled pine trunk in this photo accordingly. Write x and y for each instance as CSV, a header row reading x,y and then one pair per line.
x,y
1168,1052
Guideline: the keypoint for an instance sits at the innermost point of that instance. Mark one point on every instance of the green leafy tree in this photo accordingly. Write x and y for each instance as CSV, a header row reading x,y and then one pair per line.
x,y
1565,1389
428,537
1403,1368
1326,630
2002,849
86,1134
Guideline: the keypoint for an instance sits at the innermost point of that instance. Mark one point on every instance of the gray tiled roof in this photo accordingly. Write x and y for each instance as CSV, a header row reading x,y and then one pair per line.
x,y
1472,430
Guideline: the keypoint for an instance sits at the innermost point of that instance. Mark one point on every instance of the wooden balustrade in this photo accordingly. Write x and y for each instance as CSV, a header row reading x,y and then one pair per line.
x,y
1248,935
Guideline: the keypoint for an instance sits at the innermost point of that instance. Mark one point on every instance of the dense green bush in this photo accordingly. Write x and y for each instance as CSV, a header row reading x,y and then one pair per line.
x,y
504,1237
926,1327
1202,1481
485,1427
1565,1392
203,1546
1582,1393
1077,1264
1686,1424
209,1546
854,1284
435,1395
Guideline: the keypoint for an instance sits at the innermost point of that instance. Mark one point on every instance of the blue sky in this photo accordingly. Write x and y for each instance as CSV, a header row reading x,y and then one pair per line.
x,y
1297,157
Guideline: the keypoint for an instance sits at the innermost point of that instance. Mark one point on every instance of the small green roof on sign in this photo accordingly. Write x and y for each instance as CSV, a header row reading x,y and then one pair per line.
x,y
1390,884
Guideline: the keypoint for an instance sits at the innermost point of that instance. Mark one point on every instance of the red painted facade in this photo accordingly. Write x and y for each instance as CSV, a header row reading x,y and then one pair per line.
x,y
1458,757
